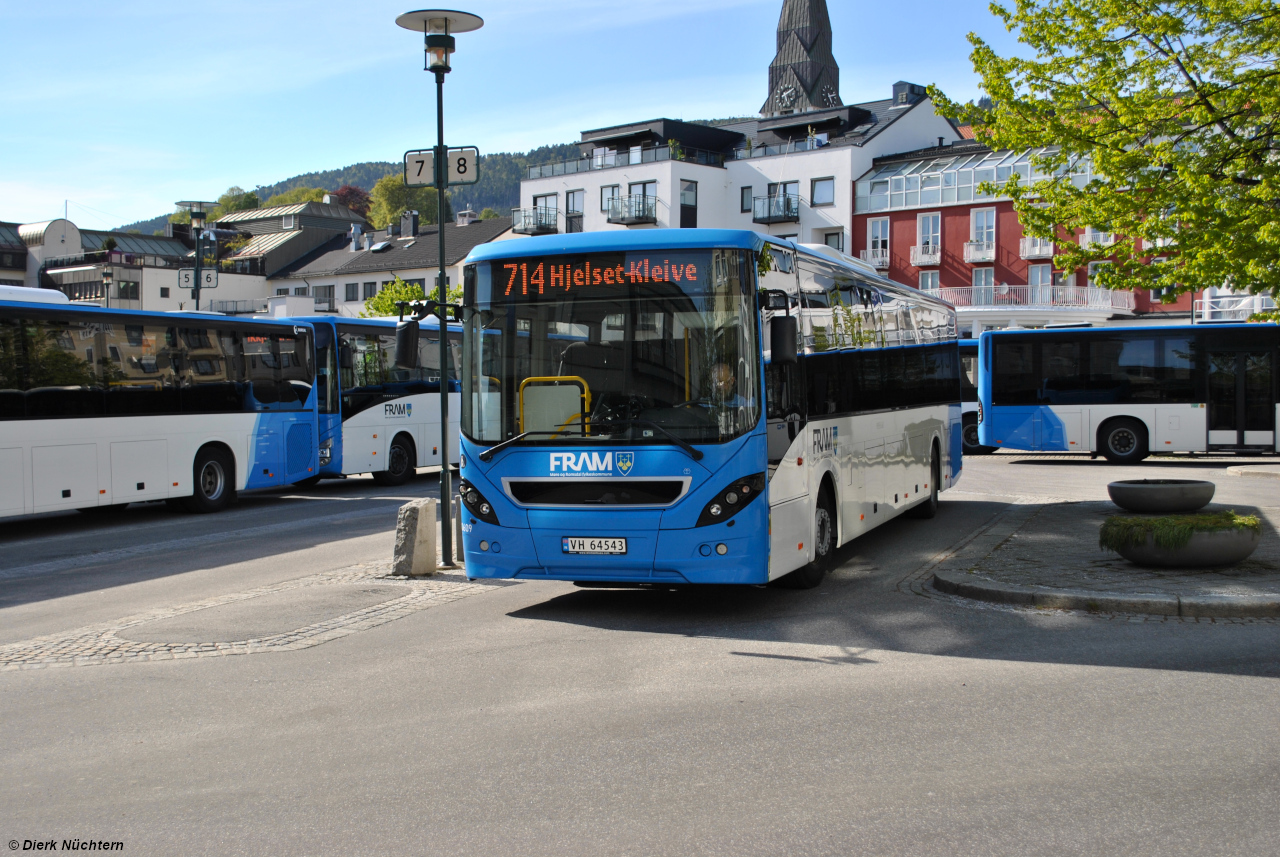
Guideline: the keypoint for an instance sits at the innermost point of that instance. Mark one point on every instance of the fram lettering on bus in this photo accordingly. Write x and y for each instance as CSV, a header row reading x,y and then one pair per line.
x,y
397,410
589,462
826,441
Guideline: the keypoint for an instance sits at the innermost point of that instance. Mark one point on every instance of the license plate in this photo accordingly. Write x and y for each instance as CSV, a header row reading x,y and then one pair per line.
x,y
569,544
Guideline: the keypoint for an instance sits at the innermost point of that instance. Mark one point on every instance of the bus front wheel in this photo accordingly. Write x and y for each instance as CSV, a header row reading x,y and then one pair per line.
x,y
824,547
400,463
214,476
1123,441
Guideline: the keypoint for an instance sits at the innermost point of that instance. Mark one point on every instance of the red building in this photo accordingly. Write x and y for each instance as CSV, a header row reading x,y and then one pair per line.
x,y
919,218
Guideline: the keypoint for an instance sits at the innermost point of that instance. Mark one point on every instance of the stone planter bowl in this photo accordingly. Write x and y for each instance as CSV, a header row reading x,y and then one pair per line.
x,y
1205,550
1161,496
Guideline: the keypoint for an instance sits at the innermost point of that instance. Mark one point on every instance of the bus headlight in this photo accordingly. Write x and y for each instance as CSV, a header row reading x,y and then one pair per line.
x,y
476,503
326,451
733,499
979,412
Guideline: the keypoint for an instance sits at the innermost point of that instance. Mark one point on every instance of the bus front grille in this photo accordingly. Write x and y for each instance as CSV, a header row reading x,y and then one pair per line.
x,y
596,492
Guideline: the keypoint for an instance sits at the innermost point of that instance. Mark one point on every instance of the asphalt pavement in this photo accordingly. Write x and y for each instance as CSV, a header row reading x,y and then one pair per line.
x,y
868,716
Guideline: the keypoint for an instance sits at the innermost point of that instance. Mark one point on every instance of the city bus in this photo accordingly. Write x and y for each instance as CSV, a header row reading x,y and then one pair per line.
x,y
103,407
374,416
1127,392
694,406
969,398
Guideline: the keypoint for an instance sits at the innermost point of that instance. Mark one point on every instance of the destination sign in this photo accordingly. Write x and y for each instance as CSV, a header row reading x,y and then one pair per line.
x,y
549,277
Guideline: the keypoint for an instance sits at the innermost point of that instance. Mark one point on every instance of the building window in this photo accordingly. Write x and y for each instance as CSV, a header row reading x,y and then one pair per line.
x,y
1040,275
574,201
688,204
929,231
688,193
547,201
745,204
982,226
645,189
164,291
288,221
822,192
370,290
324,297
784,189
607,194
353,292
300,291
127,290
929,281
878,234
834,239
281,292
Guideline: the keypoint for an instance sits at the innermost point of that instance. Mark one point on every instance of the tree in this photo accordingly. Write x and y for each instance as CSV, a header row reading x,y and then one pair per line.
x,y
489,214
235,199
355,198
1175,108
295,196
391,198
384,302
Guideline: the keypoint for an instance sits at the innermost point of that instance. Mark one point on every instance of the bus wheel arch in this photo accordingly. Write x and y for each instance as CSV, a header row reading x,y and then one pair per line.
x,y
1124,440
402,461
213,472
811,574
929,507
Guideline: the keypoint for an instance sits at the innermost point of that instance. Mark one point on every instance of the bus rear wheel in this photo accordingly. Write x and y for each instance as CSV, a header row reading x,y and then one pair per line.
x,y
1123,441
214,478
970,436
824,547
400,463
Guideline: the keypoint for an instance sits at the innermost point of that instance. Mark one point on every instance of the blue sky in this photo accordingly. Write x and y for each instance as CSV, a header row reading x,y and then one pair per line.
x,y
123,107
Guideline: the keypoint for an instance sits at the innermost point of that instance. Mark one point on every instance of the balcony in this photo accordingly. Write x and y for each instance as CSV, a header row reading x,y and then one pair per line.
x,y
924,255
239,307
879,259
1230,307
535,221
1035,248
979,251
1036,297
627,158
1093,236
633,210
779,208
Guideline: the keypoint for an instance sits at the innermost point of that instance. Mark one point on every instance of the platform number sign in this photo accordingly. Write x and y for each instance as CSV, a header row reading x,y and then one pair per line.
x,y
187,278
463,167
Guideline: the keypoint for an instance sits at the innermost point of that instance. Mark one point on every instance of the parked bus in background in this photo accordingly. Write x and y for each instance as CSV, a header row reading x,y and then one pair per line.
x,y
969,398
1128,392
376,417
103,407
694,405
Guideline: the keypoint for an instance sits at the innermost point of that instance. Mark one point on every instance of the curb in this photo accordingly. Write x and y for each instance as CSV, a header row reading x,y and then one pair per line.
x,y
1256,471
1191,606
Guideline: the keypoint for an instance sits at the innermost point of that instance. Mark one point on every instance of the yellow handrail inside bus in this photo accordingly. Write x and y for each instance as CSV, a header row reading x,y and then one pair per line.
x,y
556,379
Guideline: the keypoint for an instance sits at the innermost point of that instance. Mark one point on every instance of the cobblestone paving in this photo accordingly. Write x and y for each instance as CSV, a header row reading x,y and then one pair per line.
x,y
100,644
1055,545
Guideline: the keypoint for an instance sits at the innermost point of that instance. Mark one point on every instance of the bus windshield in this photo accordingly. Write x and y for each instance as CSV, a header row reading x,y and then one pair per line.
x,y
622,346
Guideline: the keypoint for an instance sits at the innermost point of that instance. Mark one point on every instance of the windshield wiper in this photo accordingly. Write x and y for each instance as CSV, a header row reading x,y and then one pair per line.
x,y
694,452
489,453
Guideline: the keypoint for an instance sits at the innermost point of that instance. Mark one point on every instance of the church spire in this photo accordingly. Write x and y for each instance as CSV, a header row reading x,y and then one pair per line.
x,y
803,75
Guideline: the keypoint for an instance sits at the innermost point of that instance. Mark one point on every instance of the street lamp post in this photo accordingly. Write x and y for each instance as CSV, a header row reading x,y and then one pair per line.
x,y
438,27
198,214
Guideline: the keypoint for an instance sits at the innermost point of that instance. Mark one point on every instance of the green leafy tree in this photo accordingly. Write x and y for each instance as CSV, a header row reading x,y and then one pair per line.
x,y
295,196
489,214
1175,107
384,302
390,198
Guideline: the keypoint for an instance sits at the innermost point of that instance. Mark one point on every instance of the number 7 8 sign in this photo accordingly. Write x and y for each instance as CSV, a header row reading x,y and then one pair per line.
x,y
463,167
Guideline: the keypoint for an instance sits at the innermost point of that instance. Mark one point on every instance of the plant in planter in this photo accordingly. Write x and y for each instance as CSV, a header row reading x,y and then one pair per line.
x,y
1209,539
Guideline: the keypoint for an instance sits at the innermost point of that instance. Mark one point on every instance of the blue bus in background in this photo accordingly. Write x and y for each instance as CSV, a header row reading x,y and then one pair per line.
x,y
1128,392
694,406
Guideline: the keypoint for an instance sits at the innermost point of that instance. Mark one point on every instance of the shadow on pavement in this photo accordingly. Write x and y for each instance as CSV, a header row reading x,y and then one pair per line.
x,y
866,610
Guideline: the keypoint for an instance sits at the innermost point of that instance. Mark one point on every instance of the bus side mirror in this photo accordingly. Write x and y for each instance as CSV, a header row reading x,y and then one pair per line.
x,y
407,344
774,299
346,360
782,339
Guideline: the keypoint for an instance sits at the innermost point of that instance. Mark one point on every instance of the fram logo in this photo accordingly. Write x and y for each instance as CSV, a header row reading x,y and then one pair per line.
x,y
625,460
397,410
826,441
573,463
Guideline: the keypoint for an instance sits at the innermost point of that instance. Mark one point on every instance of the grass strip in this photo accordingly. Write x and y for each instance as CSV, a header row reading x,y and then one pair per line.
x,y
1169,531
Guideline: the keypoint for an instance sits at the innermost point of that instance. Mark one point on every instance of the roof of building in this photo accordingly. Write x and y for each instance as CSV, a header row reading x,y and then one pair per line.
x,y
9,239
260,245
127,242
319,209
420,251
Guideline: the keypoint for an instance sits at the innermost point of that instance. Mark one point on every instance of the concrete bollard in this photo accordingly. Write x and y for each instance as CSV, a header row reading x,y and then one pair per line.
x,y
415,554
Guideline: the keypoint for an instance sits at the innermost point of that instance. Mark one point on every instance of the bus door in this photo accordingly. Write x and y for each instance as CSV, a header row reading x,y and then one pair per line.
x,y
1242,401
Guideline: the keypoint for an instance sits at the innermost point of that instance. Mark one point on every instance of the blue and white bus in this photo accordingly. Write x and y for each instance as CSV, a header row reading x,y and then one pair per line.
x,y
1128,392
102,407
374,416
694,405
969,398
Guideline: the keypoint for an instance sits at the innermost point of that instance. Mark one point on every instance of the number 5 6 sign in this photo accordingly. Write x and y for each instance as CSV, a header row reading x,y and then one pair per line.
x,y
463,167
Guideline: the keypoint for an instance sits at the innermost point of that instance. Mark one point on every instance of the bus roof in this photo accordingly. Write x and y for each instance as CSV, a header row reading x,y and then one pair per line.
x,y
202,318
621,240
430,322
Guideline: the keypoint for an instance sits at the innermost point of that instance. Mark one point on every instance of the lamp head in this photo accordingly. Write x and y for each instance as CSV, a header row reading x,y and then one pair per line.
x,y
438,27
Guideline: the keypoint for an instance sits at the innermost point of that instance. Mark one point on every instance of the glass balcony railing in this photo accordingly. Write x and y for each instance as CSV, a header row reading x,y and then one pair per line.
x,y
979,251
1035,297
626,158
630,210
779,208
535,221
